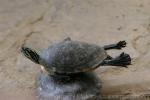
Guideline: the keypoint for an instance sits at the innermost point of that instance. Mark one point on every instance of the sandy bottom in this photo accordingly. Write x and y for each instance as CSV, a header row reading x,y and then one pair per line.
x,y
40,23
17,95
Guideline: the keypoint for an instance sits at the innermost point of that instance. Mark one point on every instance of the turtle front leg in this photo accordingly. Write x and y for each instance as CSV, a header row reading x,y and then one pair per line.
x,y
119,45
122,60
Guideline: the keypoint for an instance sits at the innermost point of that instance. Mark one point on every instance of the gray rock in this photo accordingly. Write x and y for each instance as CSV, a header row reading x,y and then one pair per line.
x,y
83,86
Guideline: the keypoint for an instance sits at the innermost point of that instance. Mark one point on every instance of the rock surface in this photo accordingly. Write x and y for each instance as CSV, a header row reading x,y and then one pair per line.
x,y
39,23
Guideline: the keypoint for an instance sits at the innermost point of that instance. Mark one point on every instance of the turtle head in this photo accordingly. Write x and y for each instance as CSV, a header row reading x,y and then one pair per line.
x,y
31,54
36,58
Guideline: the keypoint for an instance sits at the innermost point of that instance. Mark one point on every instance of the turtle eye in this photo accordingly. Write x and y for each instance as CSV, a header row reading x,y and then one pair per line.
x,y
31,54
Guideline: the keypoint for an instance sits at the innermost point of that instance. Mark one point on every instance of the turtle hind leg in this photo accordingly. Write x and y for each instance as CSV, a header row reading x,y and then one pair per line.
x,y
119,45
122,60
109,57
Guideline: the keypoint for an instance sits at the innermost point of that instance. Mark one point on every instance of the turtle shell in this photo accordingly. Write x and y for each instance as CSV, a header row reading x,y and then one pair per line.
x,y
72,57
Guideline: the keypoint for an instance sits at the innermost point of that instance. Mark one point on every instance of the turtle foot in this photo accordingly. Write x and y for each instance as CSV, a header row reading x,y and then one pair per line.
x,y
121,44
122,60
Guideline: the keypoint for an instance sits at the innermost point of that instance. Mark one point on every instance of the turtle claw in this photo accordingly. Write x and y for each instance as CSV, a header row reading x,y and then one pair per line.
x,y
122,60
121,44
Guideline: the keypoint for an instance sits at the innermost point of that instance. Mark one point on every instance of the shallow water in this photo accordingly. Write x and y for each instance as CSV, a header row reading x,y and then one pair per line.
x,y
39,23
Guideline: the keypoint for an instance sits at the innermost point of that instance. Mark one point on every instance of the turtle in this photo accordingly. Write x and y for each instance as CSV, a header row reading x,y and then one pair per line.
x,y
69,65
71,56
